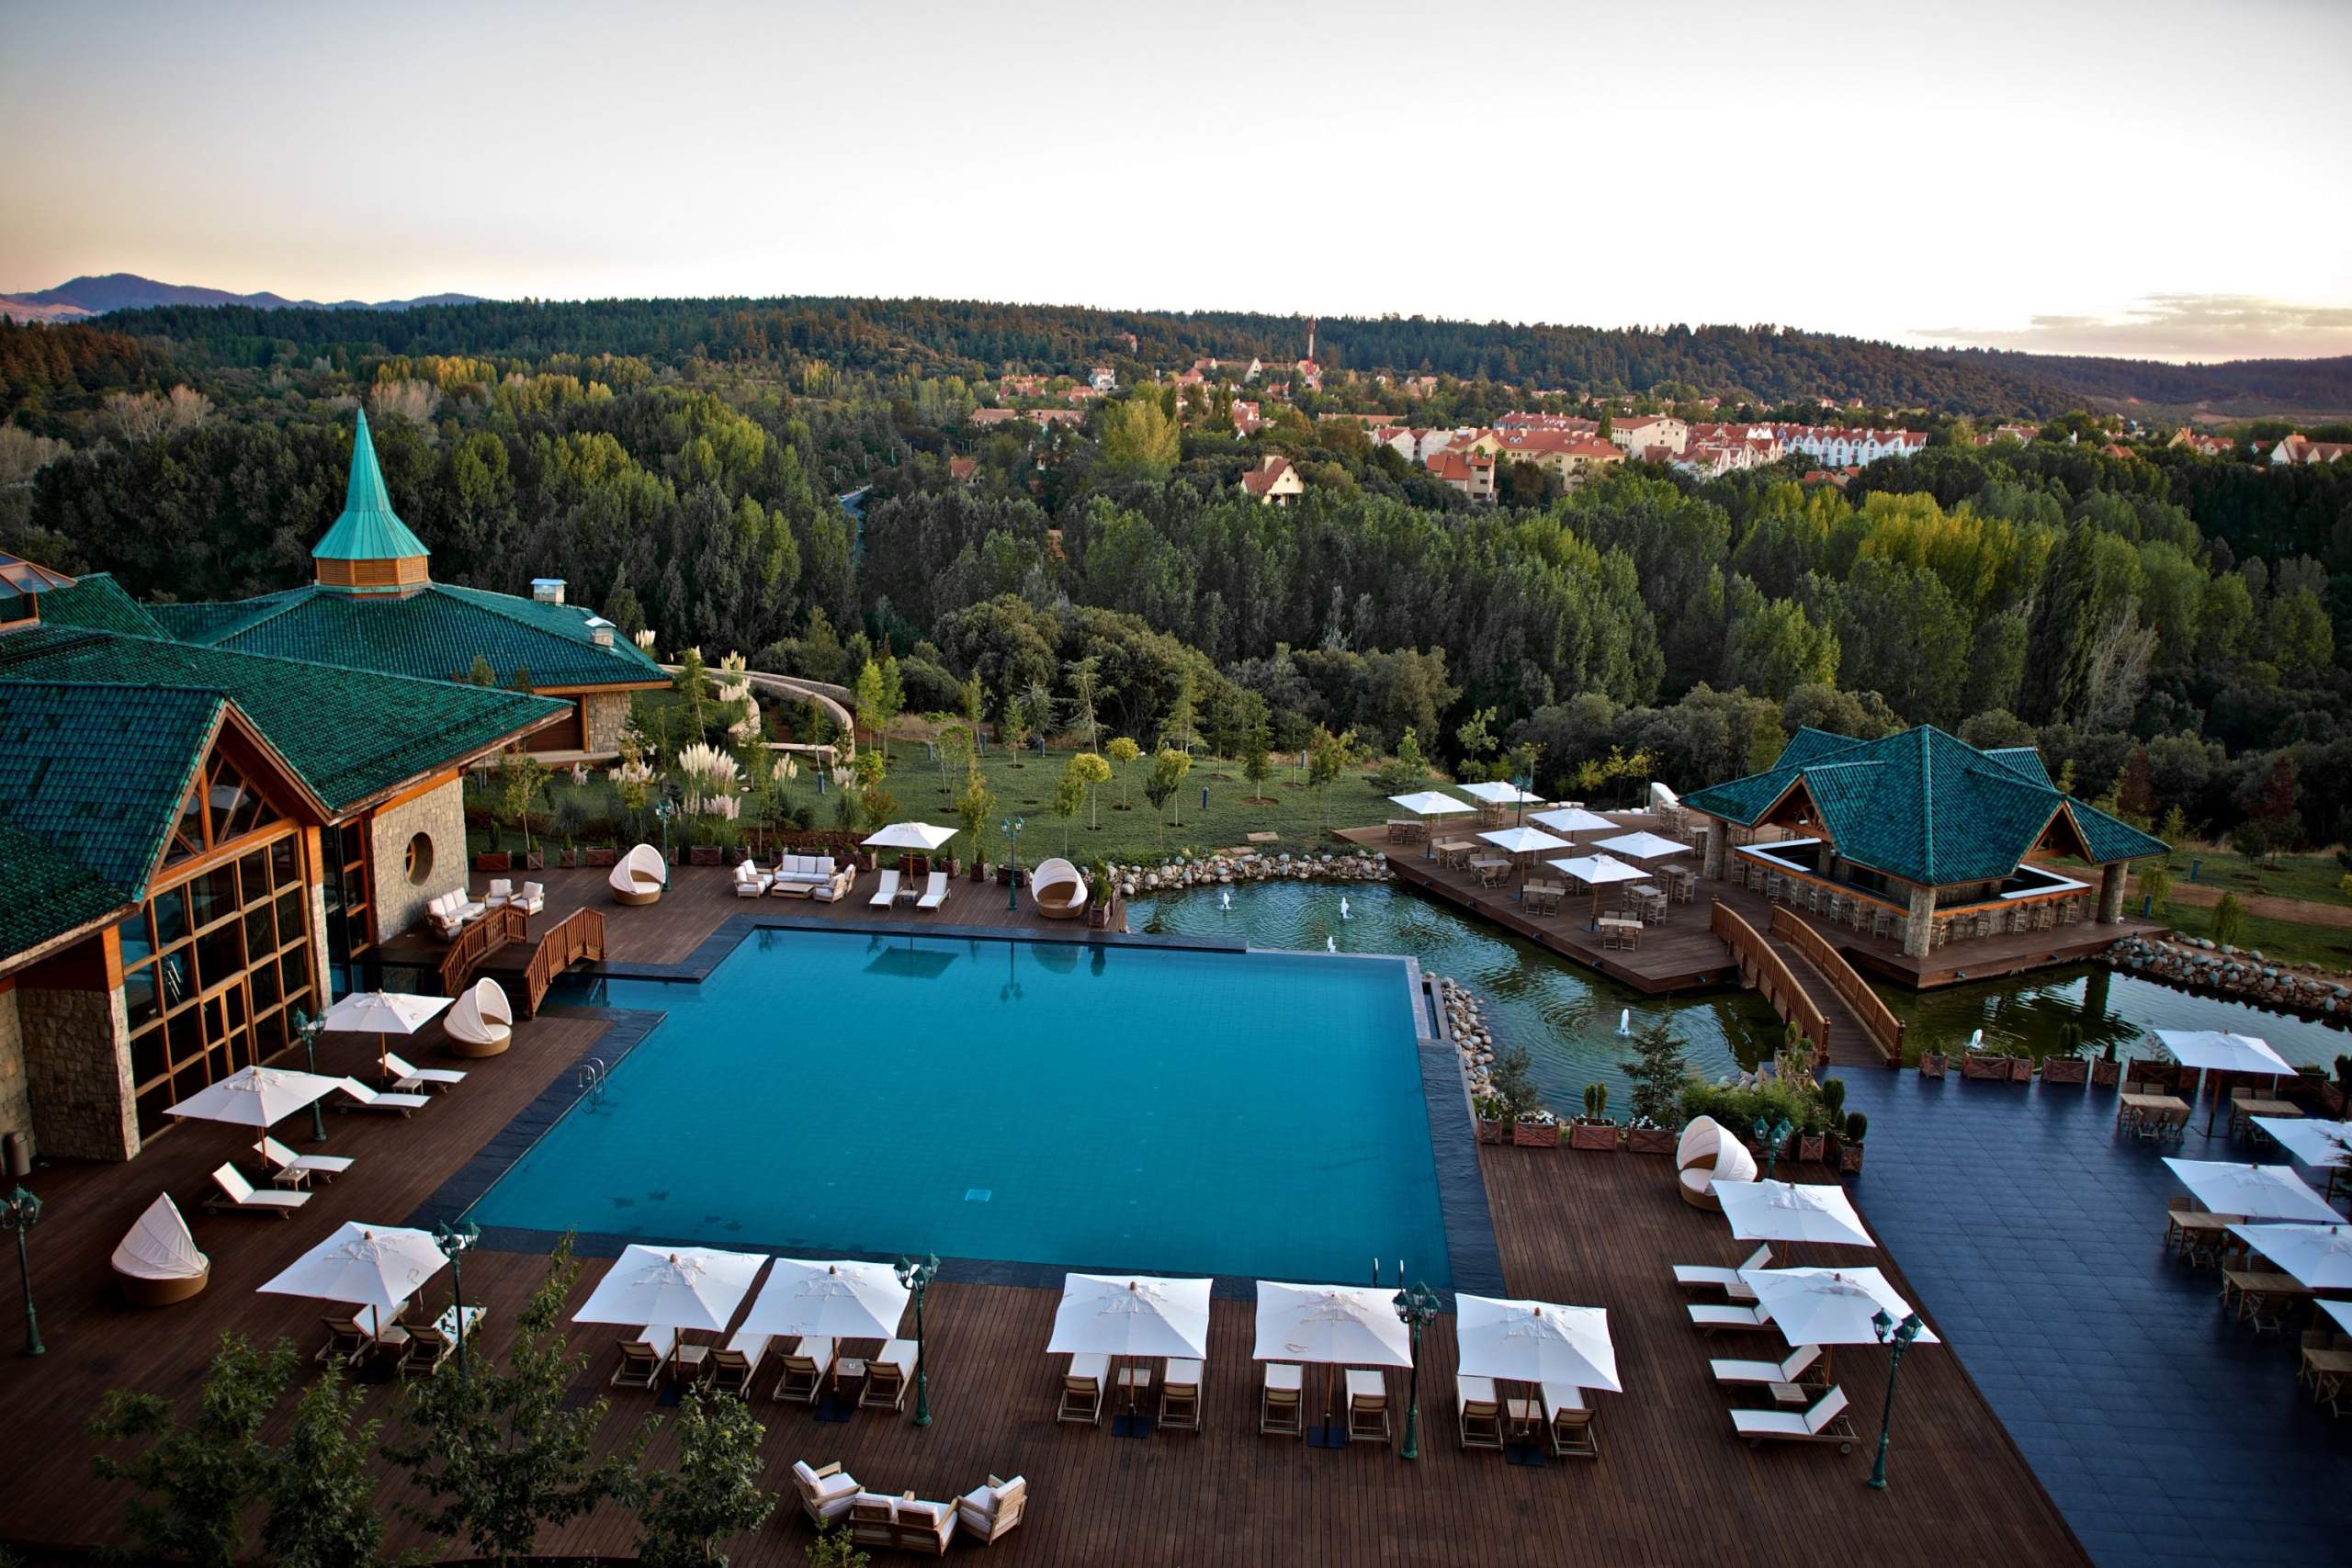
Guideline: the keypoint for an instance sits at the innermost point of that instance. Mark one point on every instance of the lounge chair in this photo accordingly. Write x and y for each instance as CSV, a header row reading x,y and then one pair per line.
x,y
500,894
290,1169
427,1348
924,1527
812,876
888,1376
411,1080
452,912
1281,1412
1711,1318
731,1368
237,1194
1748,1374
751,881
989,1510
157,1263
366,1098
1569,1417
1692,1276
1179,1396
934,891
1477,1413
887,893
1708,1153
824,1494
347,1341
1367,1407
639,877
481,1022
1057,889
1826,1422
804,1371
1082,1390
531,900
643,1357
874,1521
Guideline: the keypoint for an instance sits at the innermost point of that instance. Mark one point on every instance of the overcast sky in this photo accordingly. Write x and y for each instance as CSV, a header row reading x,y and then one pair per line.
x,y
2168,180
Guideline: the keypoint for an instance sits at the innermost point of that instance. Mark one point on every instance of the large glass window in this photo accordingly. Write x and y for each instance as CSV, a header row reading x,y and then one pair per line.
x,y
349,930
214,968
221,806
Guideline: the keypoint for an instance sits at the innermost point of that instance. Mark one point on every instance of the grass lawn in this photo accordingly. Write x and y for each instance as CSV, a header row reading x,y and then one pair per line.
x,y
2288,941
2310,877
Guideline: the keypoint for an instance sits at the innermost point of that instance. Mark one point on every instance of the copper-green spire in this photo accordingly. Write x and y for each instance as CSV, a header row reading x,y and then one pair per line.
x,y
368,529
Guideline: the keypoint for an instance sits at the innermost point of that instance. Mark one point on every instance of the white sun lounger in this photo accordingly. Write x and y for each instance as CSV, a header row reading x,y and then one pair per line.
x,y
293,1169
414,1078
886,894
643,1357
934,892
370,1100
1693,1276
237,1194
1738,1373
1826,1423
1711,1317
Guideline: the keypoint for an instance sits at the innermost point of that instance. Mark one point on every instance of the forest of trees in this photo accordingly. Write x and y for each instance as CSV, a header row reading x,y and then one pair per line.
x,y
2170,627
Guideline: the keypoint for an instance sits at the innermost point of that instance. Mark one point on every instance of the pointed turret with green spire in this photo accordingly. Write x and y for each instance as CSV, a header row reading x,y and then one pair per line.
x,y
369,549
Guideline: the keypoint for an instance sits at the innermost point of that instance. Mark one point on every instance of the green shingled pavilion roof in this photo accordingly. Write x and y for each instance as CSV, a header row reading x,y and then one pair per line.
x,y
368,528
1922,804
98,601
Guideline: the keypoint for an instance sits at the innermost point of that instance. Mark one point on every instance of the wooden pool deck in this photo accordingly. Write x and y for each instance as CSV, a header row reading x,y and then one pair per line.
x,y
1671,1485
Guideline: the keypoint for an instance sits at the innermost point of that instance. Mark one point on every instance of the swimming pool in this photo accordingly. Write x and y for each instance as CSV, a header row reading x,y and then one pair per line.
x,y
1108,1107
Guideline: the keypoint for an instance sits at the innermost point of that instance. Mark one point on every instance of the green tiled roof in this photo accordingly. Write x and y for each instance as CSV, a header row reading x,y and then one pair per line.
x,y
346,733
1921,805
99,602
50,893
368,529
434,633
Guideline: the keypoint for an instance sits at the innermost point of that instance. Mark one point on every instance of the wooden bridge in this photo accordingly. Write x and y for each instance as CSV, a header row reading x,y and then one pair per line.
x,y
1812,986
500,944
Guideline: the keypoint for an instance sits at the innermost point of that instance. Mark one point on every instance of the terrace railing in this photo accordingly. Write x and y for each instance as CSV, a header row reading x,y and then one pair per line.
x,y
1878,1020
580,934
1769,974
477,942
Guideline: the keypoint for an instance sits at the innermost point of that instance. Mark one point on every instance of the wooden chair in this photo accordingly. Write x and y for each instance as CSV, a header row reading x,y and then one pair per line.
x,y
427,1348
2175,1206
731,1369
990,1510
1570,1420
804,1371
1082,1390
347,1341
1367,1407
1478,1414
887,1377
874,1521
925,1527
1281,1412
1179,1396
824,1494
642,1358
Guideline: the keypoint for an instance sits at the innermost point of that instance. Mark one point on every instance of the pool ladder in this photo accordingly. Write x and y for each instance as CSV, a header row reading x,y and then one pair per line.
x,y
590,1078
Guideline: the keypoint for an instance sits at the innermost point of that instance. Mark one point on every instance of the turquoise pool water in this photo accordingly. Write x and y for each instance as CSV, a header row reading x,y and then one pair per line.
x,y
825,1093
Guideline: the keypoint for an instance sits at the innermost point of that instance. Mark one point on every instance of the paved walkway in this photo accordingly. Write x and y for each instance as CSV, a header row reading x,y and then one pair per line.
x,y
2034,1237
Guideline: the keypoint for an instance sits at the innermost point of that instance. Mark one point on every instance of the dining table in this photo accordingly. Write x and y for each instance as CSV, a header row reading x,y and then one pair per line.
x,y
2243,1111
2202,1234
2264,1297
1453,852
2132,1108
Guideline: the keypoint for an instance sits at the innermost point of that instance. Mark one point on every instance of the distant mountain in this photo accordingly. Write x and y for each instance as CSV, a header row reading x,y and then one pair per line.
x,y
128,291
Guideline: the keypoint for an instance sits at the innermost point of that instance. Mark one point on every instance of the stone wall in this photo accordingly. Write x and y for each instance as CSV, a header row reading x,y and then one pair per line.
x,y
603,714
440,814
16,1100
77,1067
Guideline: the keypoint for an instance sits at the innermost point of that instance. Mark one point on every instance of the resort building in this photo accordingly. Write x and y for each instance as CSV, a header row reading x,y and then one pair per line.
x,y
1917,835
205,834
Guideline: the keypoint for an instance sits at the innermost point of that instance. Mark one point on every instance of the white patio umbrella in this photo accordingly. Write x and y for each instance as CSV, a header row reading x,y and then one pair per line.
x,y
677,1287
1521,842
1785,1211
2314,1142
255,1096
383,1014
1572,819
1641,846
2341,1312
1342,1326
1114,1315
2317,1256
1597,872
1828,1307
840,1300
923,836
2216,1049
1535,1342
380,1267
2252,1192
1498,791
1431,803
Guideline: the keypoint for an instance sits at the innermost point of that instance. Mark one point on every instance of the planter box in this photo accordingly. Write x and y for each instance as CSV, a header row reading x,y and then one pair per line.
x,y
535,861
1098,916
567,858
599,859
1650,1140
1849,1158
706,854
1994,1068
980,870
1493,1132
2065,1070
1812,1147
1932,1063
2020,1070
494,859
1585,1135
2104,1073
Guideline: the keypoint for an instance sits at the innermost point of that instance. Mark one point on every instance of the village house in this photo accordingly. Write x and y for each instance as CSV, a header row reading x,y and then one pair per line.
x,y
1570,457
961,469
2302,448
1841,446
986,417
1466,469
2204,444
1273,482
1247,418
1639,432
1102,378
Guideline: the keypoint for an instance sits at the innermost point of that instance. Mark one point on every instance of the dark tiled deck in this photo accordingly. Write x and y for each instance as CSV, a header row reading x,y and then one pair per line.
x,y
2164,1432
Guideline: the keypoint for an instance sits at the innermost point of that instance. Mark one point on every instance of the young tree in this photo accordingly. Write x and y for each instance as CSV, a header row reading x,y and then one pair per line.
x,y
1091,770
1013,725
498,1451
974,807
2229,920
894,698
522,779
1258,759
1659,1070
322,1484
2155,883
1160,786
1408,768
1085,679
866,702
1327,757
1180,728
693,685
1123,752
197,1483
713,1494
1474,740
1037,702
1069,797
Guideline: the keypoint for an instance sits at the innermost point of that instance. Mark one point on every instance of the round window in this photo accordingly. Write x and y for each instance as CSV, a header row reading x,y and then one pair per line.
x,y
419,859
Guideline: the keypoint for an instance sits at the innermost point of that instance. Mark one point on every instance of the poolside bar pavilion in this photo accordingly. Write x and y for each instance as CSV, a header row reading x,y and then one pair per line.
x,y
1917,836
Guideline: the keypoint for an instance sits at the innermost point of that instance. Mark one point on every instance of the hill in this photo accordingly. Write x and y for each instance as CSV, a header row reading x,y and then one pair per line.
x,y
97,296
2240,387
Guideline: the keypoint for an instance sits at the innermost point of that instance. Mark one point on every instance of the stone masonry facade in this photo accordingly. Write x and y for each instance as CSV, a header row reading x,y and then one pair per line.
x,y
440,814
77,1067
16,1090
603,715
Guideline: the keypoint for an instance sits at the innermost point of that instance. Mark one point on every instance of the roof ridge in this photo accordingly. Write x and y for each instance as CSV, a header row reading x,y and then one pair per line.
x,y
309,665
1928,799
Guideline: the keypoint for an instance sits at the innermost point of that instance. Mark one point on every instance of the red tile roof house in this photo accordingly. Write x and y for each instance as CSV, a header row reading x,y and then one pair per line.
x,y
961,469
1247,420
2302,448
1273,482
995,416
1472,473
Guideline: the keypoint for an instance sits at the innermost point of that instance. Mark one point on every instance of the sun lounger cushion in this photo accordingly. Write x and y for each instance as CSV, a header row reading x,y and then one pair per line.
x,y
823,1489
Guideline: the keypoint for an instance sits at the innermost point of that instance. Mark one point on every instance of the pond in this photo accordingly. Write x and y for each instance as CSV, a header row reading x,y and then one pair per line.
x,y
1568,1017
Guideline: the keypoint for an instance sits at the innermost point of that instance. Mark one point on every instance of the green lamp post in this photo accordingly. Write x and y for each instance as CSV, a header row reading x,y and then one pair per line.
x,y
1772,1135
1415,1308
455,1241
916,1274
311,1029
17,1213
665,810
1896,1338
1011,827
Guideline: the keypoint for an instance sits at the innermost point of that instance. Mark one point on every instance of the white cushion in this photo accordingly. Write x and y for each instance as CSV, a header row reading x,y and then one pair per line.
x,y
832,1487
822,865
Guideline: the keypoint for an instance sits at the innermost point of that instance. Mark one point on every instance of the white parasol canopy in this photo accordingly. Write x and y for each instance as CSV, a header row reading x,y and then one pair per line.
x,y
1596,871
1337,1324
255,1096
2252,1192
1498,791
2215,1050
380,1267
922,836
1535,1342
681,1287
2317,1256
1783,1211
1524,840
1111,1315
1660,795
1431,803
1641,846
829,1301
1573,820
383,1014
2315,1143
1828,1307
2341,1312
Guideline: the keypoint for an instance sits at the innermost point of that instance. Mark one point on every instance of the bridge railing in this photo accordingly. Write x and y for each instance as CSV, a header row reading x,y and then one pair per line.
x,y
1765,970
1878,1020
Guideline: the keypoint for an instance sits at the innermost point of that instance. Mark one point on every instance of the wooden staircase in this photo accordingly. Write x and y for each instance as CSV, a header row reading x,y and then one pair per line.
x,y
500,944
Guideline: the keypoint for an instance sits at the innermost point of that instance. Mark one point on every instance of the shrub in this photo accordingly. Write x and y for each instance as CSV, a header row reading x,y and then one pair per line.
x,y
1509,1081
1832,1101
1596,1101
1856,1126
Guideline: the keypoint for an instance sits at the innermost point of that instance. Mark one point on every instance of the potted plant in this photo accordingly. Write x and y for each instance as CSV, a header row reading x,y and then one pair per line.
x,y
1978,1063
1645,1136
1933,1063
2066,1065
1594,1130
1849,1147
1493,1117
2106,1071
598,856
1827,1111
2021,1069
1536,1128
